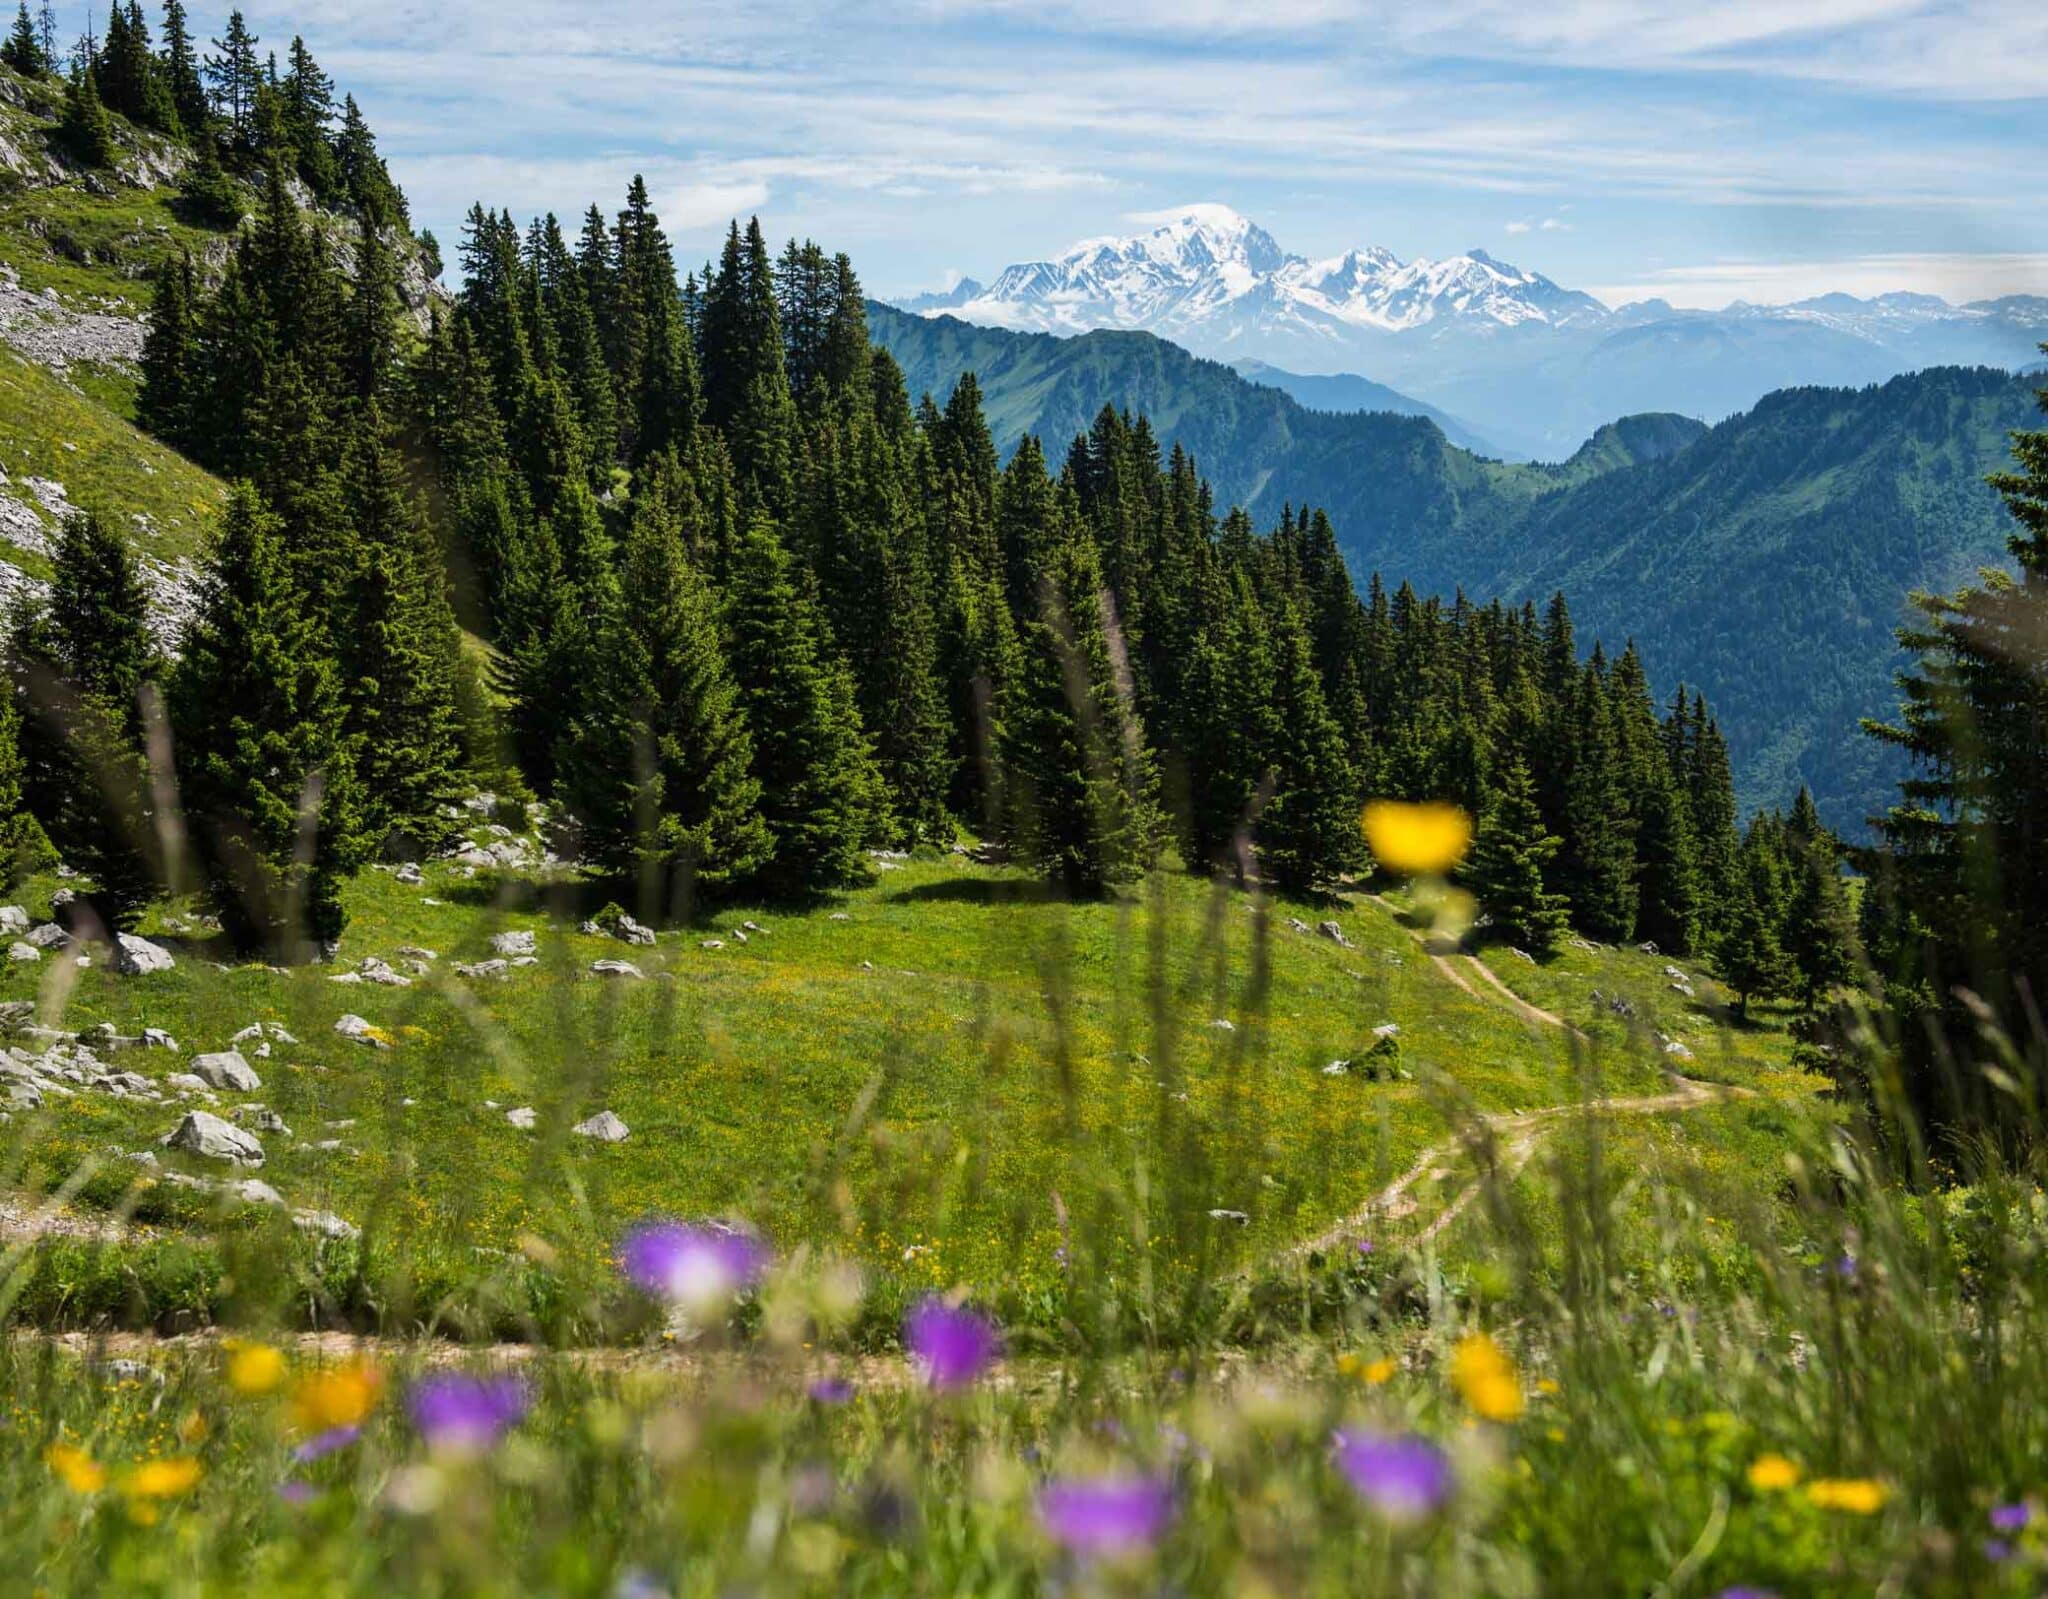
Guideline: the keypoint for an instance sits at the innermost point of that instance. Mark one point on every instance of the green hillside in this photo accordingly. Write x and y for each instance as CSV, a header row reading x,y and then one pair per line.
x,y
1766,560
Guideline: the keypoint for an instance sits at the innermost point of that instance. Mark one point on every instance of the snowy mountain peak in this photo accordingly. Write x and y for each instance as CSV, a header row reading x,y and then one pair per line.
x,y
1211,278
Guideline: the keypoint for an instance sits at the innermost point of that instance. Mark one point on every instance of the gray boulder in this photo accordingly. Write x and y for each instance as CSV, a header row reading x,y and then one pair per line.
x,y
227,1071
616,969
604,1127
13,919
48,936
18,951
157,1038
519,943
489,968
204,1134
522,1118
325,1223
134,956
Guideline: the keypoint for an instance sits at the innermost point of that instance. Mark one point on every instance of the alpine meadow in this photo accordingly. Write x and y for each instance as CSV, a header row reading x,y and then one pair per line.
x,y
680,927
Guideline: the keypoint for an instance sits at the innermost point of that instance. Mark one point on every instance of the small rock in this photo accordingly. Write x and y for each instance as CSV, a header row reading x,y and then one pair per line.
x,y
263,1119
1236,1216
18,951
839,916
519,943
605,1127
489,968
712,943
134,956
1387,1030
255,1191
1223,1024
325,1223
157,1038
1335,934
186,1083
409,874
362,1032
49,936
1337,1068
226,1070
523,1118
414,952
346,977
616,969
13,919
205,1134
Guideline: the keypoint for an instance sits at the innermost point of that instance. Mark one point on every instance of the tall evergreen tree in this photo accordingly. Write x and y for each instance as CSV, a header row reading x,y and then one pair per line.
x,y
1308,834
1511,855
85,129
24,49
235,75
182,77
266,772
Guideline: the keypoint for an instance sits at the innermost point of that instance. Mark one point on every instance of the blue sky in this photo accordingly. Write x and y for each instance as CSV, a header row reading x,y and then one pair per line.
x,y
1696,150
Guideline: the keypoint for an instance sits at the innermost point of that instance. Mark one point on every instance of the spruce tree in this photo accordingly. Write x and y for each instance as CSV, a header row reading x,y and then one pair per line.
x,y
821,794
1308,834
1599,865
24,50
235,76
1511,855
205,186
24,848
1820,929
182,76
1752,958
265,769
85,129
170,353
80,660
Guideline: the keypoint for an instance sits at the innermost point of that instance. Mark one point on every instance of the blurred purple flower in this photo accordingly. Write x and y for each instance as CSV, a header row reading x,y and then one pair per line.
x,y
294,1492
457,1411
1745,1593
695,1266
1363,1246
1400,1474
952,1345
638,1585
2011,1518
832,1390
1107,1515
323,1444
1997,1550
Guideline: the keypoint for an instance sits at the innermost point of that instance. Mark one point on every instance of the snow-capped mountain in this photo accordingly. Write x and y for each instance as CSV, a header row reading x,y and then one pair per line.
x,y
1217,281
1530,364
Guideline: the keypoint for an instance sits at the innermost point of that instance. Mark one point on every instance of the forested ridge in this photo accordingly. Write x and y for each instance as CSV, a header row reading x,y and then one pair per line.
x,y
1767,559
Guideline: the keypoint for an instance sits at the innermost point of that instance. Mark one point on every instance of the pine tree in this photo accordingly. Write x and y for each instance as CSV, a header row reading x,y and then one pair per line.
x,y
1308,834
399,651
821,794
81,659
1820,929
266,773
182,76
235,77
206,187
307,101
170,355
85,129
1510,858
1752,959
1225,731
1599,864
746,390
24,848
658,767
24,50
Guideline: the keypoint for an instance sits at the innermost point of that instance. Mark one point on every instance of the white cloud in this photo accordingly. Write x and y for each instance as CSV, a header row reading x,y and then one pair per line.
x,y
1955,277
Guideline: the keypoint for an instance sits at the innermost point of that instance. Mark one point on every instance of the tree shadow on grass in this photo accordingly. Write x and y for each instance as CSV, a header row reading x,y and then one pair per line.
x,y
981,891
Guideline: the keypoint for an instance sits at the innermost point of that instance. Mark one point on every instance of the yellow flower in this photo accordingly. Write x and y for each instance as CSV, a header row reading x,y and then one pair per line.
x,y
1374,1372
1486,1377
1769,1474
1860,1496
339,1397
162,1479
254,1369
78,1470
1416,839
1546,1385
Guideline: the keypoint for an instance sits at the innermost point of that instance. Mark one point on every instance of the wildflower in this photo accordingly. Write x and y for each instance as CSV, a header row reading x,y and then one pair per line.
x,y
1107,1515
951,1344
163,1479
1997,1550
339,1396
1486,1377
2011,1518
1374,1372
76,1469
697,1268
1416,839
254,1369
466,1413
294,1492
1769,1474
832,1390
1402,1476
1741,1592
1860,1496
323,1444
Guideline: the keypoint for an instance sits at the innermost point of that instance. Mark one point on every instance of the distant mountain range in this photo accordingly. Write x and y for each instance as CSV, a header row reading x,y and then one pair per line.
x,y
1525,363
1765,560
1344,392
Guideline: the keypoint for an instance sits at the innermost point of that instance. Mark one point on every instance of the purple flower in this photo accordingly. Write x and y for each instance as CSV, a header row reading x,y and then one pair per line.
x,y
1107,1515
1996,1550
323,1444
1363,1246
1745,1593
832,1390
952,1345
697,1267
294,1492
1401,1475
469,1413
2011,1518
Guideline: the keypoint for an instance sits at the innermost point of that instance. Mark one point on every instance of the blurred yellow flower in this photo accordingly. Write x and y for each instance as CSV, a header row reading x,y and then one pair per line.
x,y
1416,839
1770,1474
1374,1372
1486,1377
254,1369
338,1397
1546,1385
1860,1496
76,1469
162,1479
